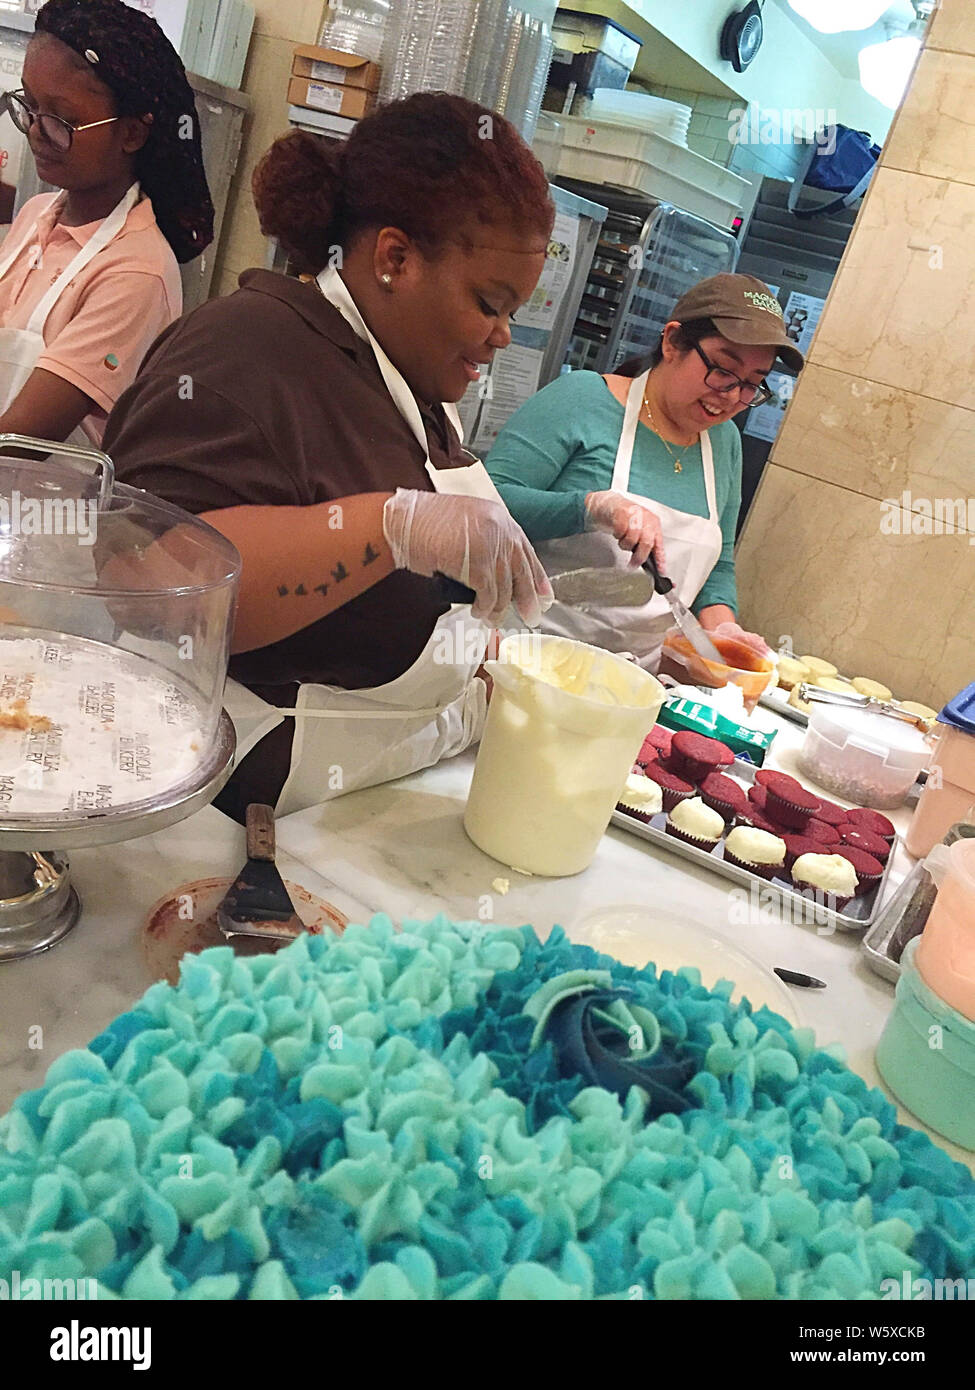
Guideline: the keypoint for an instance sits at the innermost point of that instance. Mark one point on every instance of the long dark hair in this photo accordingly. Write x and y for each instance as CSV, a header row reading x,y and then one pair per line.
x,y
127,51
686,336
433,165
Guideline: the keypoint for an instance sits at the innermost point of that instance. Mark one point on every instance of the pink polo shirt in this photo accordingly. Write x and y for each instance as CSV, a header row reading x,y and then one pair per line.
x,y
112,311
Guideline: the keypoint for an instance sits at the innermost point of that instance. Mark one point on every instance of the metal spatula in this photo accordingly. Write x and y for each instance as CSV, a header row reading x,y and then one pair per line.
x,y
258,904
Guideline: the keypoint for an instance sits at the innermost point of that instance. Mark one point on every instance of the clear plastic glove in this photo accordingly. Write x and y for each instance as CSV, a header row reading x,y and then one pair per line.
x,y
636,527
738,634
473,540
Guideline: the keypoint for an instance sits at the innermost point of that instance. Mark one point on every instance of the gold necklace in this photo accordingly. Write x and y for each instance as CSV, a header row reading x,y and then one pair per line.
x,y
678,462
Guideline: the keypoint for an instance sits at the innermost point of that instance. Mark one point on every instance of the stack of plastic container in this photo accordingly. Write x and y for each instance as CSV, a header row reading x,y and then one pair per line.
x,y
490,51
356,26
427,47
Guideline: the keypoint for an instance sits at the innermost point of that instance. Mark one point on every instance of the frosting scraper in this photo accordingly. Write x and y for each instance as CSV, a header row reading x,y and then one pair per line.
x,y
257,903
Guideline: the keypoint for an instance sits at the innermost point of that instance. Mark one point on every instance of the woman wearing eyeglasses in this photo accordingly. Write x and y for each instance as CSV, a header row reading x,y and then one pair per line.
x,y
89,276
647,459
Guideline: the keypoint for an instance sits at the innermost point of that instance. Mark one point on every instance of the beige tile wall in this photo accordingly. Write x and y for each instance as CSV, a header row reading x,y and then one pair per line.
x,y
280,25
885,412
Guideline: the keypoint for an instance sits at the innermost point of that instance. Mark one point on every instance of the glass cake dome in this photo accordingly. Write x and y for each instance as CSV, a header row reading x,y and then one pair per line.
x,y
116,612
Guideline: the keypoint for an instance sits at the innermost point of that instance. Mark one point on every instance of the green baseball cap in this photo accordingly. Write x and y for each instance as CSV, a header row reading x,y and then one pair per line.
x,y
744,310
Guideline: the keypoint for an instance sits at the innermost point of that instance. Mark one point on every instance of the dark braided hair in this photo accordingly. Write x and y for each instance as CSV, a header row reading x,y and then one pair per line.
x,y
127,51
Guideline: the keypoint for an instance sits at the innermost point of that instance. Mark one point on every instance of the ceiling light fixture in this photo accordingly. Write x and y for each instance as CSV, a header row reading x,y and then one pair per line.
x,y
839,16
885,68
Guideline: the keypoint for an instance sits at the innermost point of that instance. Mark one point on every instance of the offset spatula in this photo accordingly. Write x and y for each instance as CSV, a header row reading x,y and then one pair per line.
x,y
611,586
258,904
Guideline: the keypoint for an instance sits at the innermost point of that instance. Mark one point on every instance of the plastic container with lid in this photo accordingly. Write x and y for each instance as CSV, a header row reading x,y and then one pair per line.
x,y
936,1083
949,793
864,757
564,726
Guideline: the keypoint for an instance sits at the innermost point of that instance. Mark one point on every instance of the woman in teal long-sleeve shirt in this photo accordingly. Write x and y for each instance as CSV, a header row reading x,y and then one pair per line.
x,y
648,459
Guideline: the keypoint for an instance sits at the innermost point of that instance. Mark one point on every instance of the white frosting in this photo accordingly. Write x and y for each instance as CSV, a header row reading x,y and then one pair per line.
x,y
830,872
642,794
120,730
697,820
755,846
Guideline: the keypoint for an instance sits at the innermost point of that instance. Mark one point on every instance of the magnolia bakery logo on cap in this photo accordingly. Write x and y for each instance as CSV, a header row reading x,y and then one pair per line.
x,y
761,300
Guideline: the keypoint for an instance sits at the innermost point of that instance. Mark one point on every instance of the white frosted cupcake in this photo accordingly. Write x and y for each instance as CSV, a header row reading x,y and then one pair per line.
x,y
829,874
791,672
695,823
641,797
818,667
756,850
864,686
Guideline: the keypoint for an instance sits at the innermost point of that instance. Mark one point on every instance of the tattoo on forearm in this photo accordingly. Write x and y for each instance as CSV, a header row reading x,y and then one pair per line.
x,y
340,573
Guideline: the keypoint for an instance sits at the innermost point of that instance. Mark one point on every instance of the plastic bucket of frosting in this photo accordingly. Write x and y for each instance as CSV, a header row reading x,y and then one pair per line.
x,y
565,723
926,1055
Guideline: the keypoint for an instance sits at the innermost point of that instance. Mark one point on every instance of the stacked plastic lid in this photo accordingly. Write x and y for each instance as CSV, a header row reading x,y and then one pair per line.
x,y
959,712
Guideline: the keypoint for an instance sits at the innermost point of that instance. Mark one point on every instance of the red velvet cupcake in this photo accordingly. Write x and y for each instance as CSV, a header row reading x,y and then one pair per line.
x,y
865,819
751,815
831,814
659,738
756,795
647,754
799,844
868,869
786,801
816,829
862,839
723,794
694,756
674,788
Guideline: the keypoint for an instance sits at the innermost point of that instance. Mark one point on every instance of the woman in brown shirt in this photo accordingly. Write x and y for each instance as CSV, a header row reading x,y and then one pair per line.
x,y
304,421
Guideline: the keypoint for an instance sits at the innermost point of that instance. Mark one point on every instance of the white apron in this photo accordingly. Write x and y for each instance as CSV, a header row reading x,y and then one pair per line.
x,y
349,739
21,347
693,545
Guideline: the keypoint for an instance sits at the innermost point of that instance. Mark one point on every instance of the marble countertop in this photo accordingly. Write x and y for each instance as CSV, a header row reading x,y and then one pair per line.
x,y
401,849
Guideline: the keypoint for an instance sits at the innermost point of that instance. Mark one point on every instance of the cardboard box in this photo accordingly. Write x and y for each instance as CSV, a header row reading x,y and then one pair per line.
x,y
329,65
326,96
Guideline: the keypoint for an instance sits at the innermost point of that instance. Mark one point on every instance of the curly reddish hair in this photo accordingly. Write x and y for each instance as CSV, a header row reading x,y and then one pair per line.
x,y
433,165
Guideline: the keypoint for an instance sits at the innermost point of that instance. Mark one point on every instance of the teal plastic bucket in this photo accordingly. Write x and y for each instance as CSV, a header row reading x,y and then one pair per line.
x,y
926,1055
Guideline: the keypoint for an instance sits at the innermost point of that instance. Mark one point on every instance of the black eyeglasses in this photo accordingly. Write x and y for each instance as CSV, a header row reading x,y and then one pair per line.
x,y
57,132
719,379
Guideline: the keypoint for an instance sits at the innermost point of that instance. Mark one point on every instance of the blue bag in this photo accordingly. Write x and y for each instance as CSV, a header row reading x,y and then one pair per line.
x,y
840,160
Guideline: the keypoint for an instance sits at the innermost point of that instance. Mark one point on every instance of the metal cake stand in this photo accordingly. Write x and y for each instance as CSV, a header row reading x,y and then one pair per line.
x,y
38,905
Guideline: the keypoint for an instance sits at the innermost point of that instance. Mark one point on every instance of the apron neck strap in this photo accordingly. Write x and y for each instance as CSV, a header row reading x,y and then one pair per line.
x,y
106,232
631,418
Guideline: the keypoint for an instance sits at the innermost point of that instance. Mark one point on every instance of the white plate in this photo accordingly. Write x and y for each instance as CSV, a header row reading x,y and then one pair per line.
x,y
637,935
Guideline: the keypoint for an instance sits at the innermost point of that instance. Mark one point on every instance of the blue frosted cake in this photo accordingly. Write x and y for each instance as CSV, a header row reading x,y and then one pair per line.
x,y
458,1112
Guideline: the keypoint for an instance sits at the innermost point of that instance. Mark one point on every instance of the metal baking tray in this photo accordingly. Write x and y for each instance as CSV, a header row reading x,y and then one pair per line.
x,y
905,915
857,916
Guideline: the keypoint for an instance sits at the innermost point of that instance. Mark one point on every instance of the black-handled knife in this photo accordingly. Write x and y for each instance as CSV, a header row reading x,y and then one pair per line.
x,y
661,583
